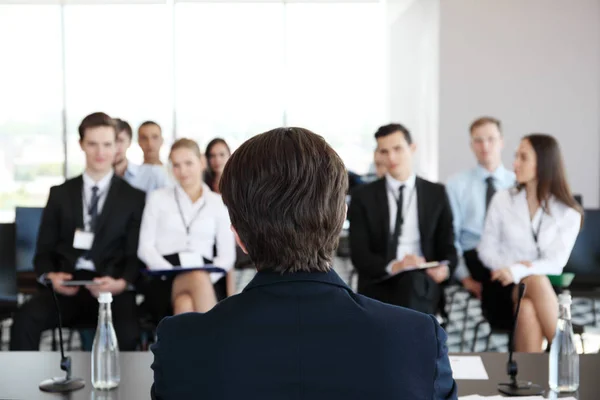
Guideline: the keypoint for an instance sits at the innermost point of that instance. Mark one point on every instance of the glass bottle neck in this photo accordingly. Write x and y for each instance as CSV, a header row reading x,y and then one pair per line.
x,y
564,312
105,313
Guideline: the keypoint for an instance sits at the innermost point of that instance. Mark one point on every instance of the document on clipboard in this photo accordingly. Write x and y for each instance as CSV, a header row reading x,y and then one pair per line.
x,y
430,264
178,270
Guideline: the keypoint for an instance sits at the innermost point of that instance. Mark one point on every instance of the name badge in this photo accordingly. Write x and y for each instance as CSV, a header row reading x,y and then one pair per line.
x,y
191,259
83,240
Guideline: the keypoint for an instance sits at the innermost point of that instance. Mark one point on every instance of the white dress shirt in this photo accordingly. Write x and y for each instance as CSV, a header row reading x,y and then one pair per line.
x,y
162,231
103,188
508,235
409,241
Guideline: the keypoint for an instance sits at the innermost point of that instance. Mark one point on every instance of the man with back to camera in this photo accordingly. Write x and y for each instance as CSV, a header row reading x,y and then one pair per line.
x,y
146,177
470,192
297,330
89,231
150,140
398,222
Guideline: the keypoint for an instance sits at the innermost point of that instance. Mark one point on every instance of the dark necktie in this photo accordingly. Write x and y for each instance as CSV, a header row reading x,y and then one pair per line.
x,y
93,209
490,190
393,245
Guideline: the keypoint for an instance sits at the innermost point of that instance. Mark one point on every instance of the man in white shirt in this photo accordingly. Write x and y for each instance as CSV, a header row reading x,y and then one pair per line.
x,y
146,177
89,231
470,193
401,221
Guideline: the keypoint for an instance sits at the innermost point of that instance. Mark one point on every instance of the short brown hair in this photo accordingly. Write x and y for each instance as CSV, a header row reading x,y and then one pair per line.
x,y
185,143
485,120
94,120
123,126
285,190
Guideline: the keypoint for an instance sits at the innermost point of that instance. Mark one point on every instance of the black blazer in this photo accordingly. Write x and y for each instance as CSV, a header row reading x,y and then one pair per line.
x,y
301,336
370,228
114,251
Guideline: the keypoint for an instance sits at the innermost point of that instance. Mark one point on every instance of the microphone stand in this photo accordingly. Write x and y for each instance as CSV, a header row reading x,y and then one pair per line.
x,y
68,383
515,387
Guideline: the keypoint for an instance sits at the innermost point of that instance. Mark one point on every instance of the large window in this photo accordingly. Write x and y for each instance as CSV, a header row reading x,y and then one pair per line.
x,y
201,69
117,61
31,146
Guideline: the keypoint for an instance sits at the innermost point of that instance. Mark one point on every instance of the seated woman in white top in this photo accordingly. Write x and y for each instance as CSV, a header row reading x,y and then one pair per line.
x,y
529,233
180,227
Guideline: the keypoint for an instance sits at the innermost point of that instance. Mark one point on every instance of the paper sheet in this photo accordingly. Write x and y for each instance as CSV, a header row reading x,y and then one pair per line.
x,y
468,368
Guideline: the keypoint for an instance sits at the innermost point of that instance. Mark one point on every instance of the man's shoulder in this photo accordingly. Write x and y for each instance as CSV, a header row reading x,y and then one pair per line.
x,y
367,189
128,189
459,179
433,187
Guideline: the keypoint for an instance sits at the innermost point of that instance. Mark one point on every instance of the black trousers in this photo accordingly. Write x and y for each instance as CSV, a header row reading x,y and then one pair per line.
x,y
78,311
412,289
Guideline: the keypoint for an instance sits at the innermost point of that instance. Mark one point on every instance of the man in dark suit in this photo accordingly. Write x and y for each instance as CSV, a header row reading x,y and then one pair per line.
x,y
296,331
401,221
89,231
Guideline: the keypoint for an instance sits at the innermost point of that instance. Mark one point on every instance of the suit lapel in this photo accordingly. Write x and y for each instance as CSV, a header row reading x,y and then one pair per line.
x,y
76,193
382,203
109,204
421,208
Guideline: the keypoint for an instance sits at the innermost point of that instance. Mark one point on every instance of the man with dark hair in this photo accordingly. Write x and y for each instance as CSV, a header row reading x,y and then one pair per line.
x,y
146,177
150,140
89,231
470,192
401,222
285,191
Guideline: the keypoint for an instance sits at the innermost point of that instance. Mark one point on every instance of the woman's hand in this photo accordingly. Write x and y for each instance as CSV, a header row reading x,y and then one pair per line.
x,y
504,276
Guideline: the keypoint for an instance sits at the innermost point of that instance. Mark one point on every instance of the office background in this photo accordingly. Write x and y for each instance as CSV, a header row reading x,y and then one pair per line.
x,y
235,68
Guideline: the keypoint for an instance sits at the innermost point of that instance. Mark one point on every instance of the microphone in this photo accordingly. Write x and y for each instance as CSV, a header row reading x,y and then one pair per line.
x,y
68,383
514,387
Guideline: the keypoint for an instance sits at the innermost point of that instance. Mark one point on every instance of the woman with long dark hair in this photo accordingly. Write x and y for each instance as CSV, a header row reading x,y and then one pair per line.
x,y
529,233
217,153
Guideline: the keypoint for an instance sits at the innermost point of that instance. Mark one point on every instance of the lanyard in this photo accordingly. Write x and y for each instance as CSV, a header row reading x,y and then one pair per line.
x,y
536,233
187,226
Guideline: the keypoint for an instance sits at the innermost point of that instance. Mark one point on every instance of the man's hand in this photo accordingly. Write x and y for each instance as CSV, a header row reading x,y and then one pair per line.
x,y
438,274
409,260
504,276
472,286
57,278
107,284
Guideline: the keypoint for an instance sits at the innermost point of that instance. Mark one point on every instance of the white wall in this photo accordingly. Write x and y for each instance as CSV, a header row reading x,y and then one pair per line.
x,y
534,64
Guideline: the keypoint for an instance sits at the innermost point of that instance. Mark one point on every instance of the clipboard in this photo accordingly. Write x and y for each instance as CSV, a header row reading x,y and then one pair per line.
x,y
178,270
420,267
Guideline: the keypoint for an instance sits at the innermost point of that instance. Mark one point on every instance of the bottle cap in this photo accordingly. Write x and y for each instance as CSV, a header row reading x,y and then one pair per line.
x,y
105,297
565,298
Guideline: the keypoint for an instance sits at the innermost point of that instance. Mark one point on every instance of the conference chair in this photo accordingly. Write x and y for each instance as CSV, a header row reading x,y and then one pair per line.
x,y
8,275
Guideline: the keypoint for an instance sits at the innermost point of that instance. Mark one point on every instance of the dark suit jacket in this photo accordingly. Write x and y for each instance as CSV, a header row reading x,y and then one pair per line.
x,y
114,251
370,228
301,336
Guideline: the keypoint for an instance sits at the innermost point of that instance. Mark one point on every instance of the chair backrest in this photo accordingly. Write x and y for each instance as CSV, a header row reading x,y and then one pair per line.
x,y
27,223
585,257
8,272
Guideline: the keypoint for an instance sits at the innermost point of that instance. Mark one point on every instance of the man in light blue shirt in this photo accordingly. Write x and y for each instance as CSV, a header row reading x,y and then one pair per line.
x,y
145,177
470,192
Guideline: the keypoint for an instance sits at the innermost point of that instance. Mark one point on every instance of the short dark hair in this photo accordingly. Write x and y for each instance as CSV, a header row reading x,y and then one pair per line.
x,y
286,194
485,120
388,129
123,126
146,123
95,120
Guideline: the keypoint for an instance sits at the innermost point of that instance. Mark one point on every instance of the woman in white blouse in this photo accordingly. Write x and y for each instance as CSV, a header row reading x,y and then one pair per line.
x,y
180,227
529,233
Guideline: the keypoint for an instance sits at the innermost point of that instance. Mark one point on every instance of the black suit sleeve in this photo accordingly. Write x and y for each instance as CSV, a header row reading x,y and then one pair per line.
x,y
132,263
445,248
44,260
363,258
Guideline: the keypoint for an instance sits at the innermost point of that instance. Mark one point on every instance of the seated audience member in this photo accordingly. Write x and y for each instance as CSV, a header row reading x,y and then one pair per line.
x,y
529,233
182,223
217,153
401,221
150,140
285,192
146,177
89,230
470,193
